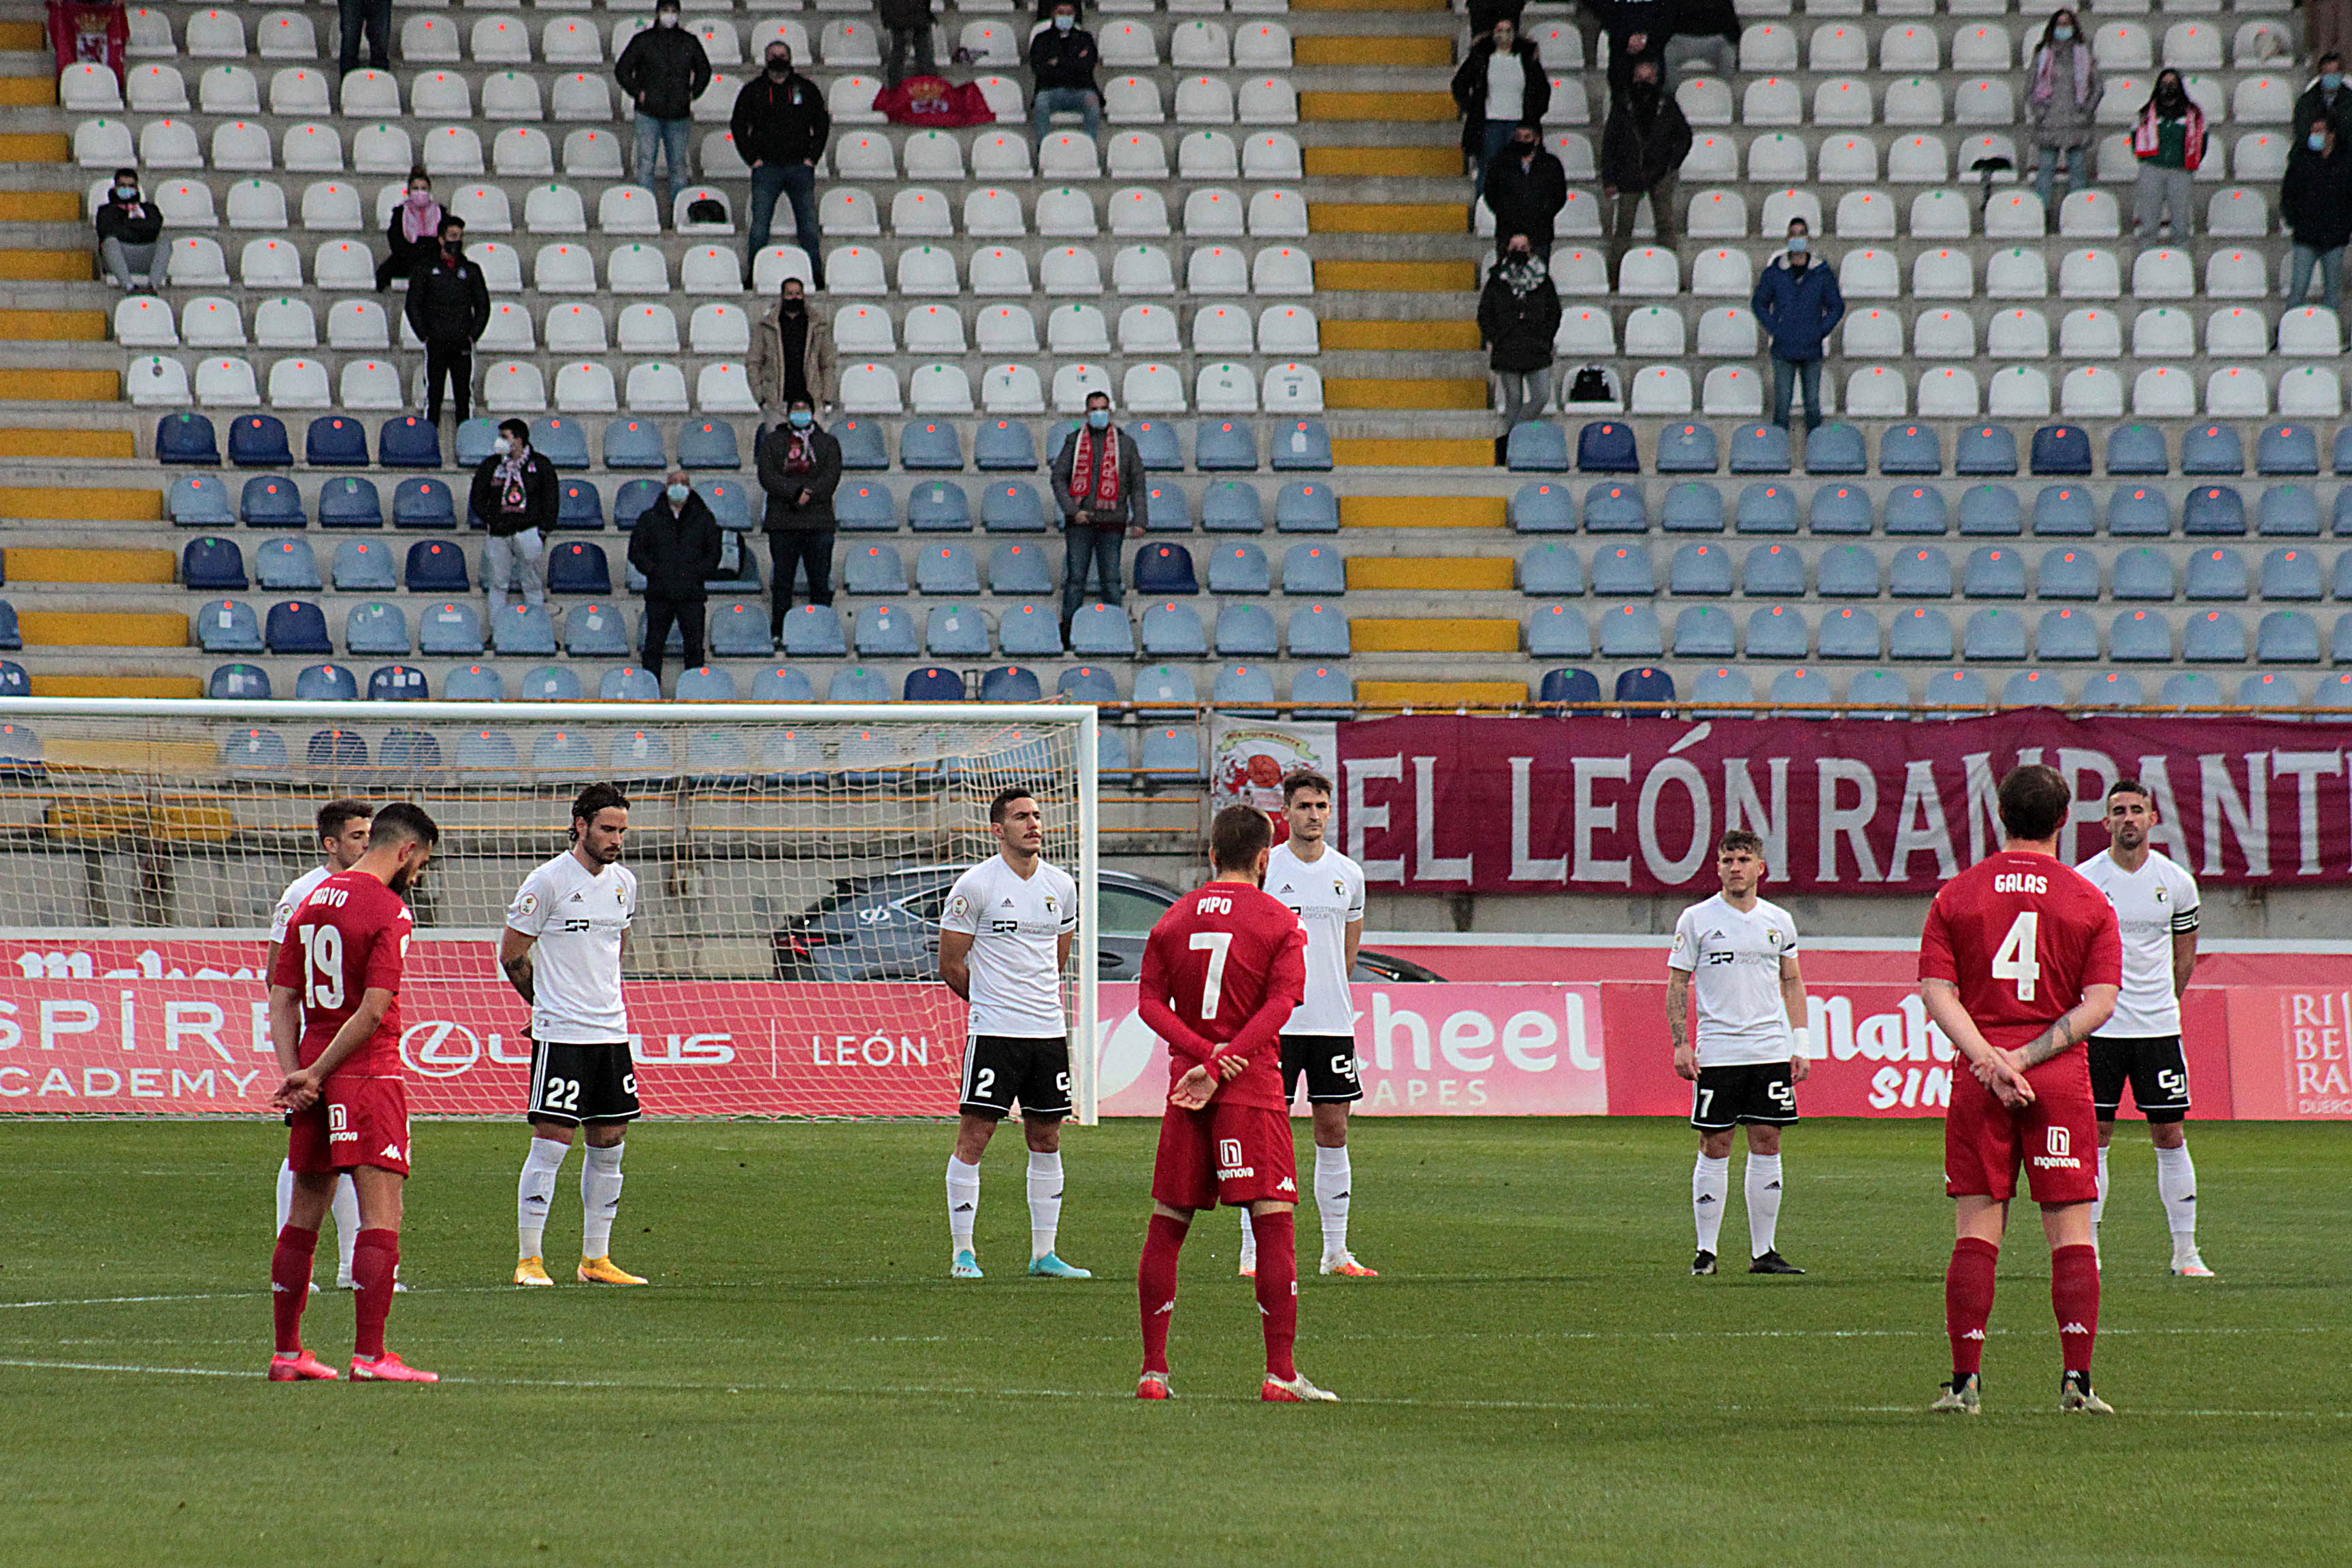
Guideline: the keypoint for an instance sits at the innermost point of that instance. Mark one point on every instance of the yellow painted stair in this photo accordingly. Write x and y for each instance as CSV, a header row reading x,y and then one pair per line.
x,y
103,628
1464,392
1441,693
1388,217
1440,634
39,206
47,265
1428,511
47,385
1400,337
1401,50
63,503
31,37
41,565
28,91
108,443
1412,108
1431,162
1433,574
36,147
118,686
1351,6
53,326
1434,452
1397,276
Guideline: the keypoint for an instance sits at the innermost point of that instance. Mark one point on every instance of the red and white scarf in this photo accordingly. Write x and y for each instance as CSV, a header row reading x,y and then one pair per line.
x,y
2147,139
1087,484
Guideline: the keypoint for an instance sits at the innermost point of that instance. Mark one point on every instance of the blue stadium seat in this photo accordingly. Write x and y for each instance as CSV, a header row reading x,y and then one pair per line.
x,y
2285,637
435,566
1920,633
1850,633
474,683
1632,631
1848,572
2292,574
1923,571
2062,449
1910,449
2066,634
865,506
1761,449
707,445
704,683
2068,574
1232,506
637,444
1303,446
886,631
646,753
1836,451
873,569
561,752
1156,443
2214,449
2341,458
1322,683
1568,686
1102,631
1878,694
2115,688
1994,635
1998,572
1004,446
259,441
1225,446
739,629
1031,628
954,631
562,441
578,566
1773,572
781,683
2034,689
1172,630
486,754
2191,688
1958,689
1170,755
948,568
1722,684
2139,511
476,439
327,683
1012,506
271,500
1700,569
410,441
363,565
1114,764
1087,683
1306,506
2141,637
198,501
1245,684
1692,508
397,683
2219,573
2287,449
222,626
336,750
1618,570
1537,447
2335,691
1543,507
186,438
1553,570
2137,450
634,683
938,506
932,684
337,441
1917,510
1777,631
1616,509
449,628
1992,512
1688,449
2269,688
1011,683
1767,509
1165,683
635,499
1239,569
931,445
349,503
1803,685
12,634
1164,568
1245,631
296,626
1559,631
1317,569
599,629
515,629
862,447
2288,511
730,501
213,563
1318,630
2340,643
235,680
1645,684
1841,508
1607,446
2065,511
423,503
1171,508
1704,631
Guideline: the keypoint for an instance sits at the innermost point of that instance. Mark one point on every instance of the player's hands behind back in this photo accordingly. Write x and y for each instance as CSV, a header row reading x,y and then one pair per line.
x,y
296,1093
2007,1081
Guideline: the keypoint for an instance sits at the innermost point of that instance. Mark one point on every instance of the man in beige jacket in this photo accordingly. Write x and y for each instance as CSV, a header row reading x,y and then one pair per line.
x,y
793,356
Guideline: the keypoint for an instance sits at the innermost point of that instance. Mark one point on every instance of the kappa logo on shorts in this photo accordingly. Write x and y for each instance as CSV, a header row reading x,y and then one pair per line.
x,y
1229,1161
392,1152
2059,1143
1285,1185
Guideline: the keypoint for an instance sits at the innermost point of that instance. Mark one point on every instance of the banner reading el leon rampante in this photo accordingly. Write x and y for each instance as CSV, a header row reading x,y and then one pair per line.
x,y
1539,805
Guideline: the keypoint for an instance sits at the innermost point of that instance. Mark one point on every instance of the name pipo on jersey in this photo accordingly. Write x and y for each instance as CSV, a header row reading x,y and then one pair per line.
x,y
1226,966
350,937
2019,936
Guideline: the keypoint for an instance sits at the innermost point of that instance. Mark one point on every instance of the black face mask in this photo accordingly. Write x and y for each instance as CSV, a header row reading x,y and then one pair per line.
x,y
2171,98
795,307
452,247
780,69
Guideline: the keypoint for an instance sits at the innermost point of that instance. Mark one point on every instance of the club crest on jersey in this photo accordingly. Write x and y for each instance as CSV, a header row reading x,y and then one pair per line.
x,y
959,905
2160,895
1051,906
1339,887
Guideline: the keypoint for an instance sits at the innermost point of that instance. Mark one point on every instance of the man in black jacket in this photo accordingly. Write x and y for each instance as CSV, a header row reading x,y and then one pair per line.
x,y
131,237
516,498
1525,187
1642,153
1102,498
1518,314
676,547
1062,58
800,467
663,70
781,124
908,23
1638,30
2316,199
2329,97
449,307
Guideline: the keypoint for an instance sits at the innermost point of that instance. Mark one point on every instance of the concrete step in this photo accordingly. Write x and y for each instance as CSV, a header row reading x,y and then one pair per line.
x,y
1456,452
1388,218
1420,161
53,326
1426,51
1390,337
1412,107
1424,695
1422,511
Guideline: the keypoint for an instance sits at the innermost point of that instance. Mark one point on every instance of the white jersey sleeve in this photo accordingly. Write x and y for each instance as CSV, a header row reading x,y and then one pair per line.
x,y
962,912
291,899
578,919
532,902
2186,901
1684,954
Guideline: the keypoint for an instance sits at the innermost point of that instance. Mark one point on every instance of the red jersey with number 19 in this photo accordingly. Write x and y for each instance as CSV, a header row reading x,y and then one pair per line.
x,y
2021,936
1211,967
350,936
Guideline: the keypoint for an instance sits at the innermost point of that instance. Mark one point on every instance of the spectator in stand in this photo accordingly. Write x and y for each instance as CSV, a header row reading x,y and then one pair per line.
x,y
1525,188
1705,32
1638,30
663,70
449,308
2326,98
2169,138
516,498
793,357
908,24
1062,59
674,547
1642,153
1500,84
376,17
800,467
781,124
2316,199
414,235
1098,483
2327,31
1798,302
2063,90
131,244
1517,315
1484,14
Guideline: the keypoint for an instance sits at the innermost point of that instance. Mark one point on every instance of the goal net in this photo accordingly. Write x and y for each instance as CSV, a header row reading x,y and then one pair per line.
x,y
791,862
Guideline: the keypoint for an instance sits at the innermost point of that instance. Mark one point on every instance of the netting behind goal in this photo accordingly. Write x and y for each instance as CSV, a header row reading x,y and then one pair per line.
x,y
791,862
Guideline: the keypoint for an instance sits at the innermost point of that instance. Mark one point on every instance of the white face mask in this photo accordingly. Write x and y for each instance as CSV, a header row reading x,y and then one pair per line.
x,y
503,446
677,494
2063,33
1064,24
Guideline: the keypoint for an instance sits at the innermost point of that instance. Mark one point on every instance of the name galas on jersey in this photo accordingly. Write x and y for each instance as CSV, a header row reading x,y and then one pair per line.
x,y
2020,937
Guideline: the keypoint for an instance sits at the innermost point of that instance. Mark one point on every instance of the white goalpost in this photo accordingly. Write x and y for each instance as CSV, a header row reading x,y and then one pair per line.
x,y
791,861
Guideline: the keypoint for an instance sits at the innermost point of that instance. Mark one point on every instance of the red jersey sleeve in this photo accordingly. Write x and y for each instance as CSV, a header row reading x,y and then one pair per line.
x,y
388,952
1157,987
1935,960
2103,963
288,970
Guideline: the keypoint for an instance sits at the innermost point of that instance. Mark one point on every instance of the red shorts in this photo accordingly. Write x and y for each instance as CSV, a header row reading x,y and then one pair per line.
x,y
1230,1155
2056,1138
355,1121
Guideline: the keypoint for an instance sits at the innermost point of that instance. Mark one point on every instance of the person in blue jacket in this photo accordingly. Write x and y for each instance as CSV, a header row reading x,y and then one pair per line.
x,y
1799,304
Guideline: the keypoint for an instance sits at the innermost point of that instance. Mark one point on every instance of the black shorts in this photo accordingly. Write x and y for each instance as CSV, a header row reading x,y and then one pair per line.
x,y
573,1084
1759,1092
1327,1063
2159,1071
999,1069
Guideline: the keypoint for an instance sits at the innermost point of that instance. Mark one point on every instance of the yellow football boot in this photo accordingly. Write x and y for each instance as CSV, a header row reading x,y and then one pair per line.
x,y
604,1271
532,1271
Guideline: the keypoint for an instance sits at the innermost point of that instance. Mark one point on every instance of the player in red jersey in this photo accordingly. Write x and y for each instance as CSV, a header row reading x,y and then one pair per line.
x,y
334,1018
1222,971
2020,963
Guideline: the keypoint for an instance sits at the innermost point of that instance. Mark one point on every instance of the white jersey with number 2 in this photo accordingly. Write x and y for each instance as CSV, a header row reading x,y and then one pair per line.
x,y
1016,925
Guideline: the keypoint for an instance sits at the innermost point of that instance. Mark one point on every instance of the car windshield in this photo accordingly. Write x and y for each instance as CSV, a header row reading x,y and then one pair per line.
x,y
926,905
1129,911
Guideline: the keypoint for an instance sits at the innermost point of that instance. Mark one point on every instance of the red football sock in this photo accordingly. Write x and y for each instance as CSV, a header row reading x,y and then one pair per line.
x,y
1155,1286
2074,1297
1968,1302
373,1262
289,1284
1277,1288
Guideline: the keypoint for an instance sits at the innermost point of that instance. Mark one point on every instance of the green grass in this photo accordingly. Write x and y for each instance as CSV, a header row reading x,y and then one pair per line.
x,y
1536,1378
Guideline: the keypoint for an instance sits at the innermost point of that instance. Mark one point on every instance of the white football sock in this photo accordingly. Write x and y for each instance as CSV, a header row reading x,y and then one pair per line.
x,y
1710,1186
285,1195
345,1206
1044,1202
2099,1205
1763,1201
1249,1238
963,1202
2176,1184
535,1195
1332,1182
600,1199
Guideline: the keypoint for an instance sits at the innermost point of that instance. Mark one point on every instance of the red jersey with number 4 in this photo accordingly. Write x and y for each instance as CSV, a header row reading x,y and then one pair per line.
x,y
350,936
2021,936
1222,971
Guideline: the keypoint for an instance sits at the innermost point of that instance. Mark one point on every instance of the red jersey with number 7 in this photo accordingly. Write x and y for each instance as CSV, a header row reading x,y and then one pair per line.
x,y
2021,936
350,936
1222,971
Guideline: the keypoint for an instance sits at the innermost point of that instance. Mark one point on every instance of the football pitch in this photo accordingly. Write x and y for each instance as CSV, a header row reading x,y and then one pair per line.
x,y
1536,1377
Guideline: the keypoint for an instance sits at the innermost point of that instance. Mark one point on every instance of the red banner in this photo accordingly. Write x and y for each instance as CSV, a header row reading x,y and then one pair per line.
x,y
1530,805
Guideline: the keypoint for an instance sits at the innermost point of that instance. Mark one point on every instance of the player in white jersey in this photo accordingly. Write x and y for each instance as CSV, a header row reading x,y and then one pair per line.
x,y
1005,940
561,950
2155,900
1738,952
342,839
1325,891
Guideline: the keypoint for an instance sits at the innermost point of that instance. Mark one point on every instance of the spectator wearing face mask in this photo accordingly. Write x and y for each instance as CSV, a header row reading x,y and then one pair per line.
x,y
800,467
1500,86
781,124
908,25
2316,199
2063,90
1638,30
663,70
2326,98
414,235
2168,140
1098,483
449,307
516,498
1797,304
1642,153
1517,315
1525,188
792,358
1062,60
674,547
131,243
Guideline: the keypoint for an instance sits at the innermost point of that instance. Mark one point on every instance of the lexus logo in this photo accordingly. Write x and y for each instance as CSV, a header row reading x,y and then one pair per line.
x,y
439,1049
